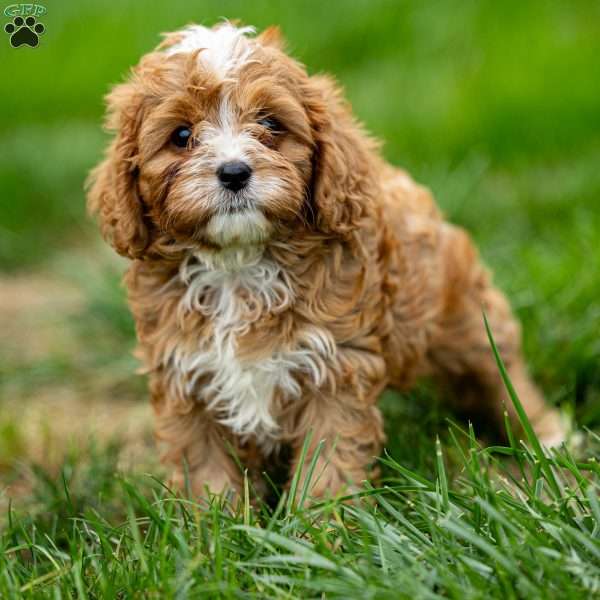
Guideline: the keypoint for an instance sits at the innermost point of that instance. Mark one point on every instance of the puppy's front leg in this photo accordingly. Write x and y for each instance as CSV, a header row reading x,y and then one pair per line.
x,y
350,425
195,447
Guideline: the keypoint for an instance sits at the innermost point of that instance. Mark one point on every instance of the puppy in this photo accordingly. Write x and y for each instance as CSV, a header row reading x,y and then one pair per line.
x,y
282,273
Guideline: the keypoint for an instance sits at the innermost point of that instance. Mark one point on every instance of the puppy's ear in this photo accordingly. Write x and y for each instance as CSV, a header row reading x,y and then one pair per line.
x,y
343,163
112,185
272,37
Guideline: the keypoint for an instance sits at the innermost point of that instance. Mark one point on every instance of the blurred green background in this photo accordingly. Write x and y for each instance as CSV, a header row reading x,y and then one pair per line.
x,y
494,105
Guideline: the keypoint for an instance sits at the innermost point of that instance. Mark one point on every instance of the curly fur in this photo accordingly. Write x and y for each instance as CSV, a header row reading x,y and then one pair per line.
x,y
286,307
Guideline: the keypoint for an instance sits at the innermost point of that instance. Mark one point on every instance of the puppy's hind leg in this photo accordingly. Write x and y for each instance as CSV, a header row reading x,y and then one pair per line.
x,y
461,351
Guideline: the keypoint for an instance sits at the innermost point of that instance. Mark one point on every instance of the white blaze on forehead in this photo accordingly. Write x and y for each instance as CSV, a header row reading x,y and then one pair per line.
x,y
223,49
227,141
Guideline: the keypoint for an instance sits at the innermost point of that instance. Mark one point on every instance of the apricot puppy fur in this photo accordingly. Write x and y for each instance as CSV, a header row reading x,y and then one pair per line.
x,y
282,273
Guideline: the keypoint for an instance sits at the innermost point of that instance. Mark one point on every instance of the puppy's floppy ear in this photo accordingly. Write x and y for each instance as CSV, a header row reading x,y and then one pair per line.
x,y
342,180
112,185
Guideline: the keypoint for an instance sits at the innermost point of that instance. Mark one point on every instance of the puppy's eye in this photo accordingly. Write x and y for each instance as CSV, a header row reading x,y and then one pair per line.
x,y
271,124
181,136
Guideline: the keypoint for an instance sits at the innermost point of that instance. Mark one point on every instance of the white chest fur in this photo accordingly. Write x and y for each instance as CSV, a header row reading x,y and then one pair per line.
x,y
239,391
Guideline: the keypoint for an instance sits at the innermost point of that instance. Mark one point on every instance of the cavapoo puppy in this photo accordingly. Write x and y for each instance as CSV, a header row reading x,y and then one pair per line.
x,y
282,273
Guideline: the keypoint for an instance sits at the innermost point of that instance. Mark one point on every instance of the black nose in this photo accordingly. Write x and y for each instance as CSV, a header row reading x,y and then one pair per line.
x,y
234,175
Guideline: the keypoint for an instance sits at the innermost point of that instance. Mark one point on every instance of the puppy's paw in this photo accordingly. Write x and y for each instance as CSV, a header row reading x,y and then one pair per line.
x,y
204,486
555,428
551,429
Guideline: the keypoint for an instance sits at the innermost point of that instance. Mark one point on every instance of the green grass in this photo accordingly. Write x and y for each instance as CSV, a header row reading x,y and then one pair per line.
x,y
482,531
495,106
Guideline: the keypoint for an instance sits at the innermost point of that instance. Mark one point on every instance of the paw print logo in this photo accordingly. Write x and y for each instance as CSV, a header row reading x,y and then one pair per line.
x,y
24,31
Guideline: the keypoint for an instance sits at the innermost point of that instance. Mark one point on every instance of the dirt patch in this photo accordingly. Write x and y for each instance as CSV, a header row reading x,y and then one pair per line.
x,y
33,309
42,418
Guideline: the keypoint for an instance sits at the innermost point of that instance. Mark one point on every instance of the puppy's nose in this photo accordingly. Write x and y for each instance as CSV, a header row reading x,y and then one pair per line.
x,y
234,175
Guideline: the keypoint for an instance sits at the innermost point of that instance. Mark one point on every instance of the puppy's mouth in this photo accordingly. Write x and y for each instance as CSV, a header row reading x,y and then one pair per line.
x,y
238,223
237,202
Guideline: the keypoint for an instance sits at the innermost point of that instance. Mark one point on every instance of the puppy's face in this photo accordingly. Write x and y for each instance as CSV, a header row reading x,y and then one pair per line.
x,y
221,141
225,143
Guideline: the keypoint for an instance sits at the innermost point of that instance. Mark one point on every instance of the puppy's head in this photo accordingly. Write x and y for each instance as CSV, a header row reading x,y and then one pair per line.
x,y
224,141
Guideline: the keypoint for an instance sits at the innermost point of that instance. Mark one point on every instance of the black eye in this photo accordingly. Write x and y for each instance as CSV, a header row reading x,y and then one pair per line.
x,y
270,123
180,137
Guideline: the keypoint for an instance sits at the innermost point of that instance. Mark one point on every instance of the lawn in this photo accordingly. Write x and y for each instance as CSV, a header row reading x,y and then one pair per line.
x,y
496,107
